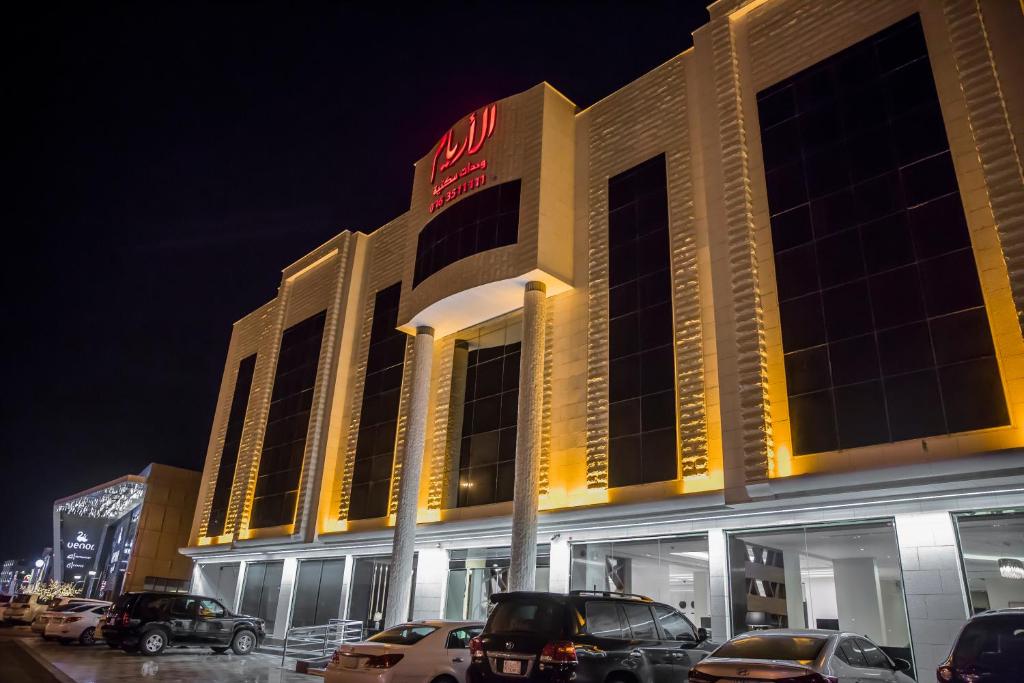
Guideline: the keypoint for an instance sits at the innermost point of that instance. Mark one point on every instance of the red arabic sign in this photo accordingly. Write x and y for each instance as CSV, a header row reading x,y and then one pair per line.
x,y
449,152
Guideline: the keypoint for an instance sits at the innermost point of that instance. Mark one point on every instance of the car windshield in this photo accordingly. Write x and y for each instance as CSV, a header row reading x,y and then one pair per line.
x,y
993,643
776,646
539,616
21,599
402,635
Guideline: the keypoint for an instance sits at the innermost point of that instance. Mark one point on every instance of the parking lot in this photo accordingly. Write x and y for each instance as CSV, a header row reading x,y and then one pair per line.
x,y
100,664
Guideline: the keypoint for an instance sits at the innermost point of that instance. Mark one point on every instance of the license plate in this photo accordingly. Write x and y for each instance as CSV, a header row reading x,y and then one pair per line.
x,y
511,666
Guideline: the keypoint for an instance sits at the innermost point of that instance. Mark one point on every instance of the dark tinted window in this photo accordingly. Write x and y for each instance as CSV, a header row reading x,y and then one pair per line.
x,y
403,635
484,220
791,648
883,324
995,644
673,625
460,637
604,620
232,442
544,617
874,657
284,444
850,653
152,608
641,621
641,382
378,418
487,449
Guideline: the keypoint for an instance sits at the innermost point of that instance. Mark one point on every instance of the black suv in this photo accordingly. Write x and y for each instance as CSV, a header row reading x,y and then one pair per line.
x,y
989,649
585,637
149,622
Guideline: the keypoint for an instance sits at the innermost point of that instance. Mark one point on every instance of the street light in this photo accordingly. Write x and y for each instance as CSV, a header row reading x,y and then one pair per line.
x,y
78,577
39,564
92,572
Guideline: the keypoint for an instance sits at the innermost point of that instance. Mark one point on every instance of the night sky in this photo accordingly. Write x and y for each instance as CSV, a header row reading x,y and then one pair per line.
x,y
166,161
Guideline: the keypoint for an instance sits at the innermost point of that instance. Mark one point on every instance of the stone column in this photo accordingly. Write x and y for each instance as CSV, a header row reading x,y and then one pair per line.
x,y
523,562
404,543
456,414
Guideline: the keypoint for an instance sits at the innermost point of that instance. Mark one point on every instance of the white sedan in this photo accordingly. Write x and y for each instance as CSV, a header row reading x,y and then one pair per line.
x,y
430,651
78,624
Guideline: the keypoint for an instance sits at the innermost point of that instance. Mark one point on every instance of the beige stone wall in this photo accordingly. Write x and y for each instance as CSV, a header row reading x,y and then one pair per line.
x,y
699,110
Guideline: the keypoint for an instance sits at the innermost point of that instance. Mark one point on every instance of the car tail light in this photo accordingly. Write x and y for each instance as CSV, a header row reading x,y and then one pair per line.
x,y
124,619
71,620
945,673
382,661
476,648
558,652
808,678
336,657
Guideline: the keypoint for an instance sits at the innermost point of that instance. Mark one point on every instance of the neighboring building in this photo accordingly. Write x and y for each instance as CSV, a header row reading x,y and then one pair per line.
x,y
11,574
124,535
754,317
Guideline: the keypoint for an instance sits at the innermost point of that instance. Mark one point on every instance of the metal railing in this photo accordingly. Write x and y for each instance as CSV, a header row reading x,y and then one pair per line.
x,y
320,640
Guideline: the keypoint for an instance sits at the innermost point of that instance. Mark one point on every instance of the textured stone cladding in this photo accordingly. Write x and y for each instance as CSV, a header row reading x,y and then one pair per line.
x,y
646,118
247,338
530,127
756,44
384,267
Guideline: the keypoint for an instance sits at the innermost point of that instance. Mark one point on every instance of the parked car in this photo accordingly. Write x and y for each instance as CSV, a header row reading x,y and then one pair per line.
x,y
77,623
431,651
989,649
24,608
149,622
43,618
585,637
807,656
5,600
58,606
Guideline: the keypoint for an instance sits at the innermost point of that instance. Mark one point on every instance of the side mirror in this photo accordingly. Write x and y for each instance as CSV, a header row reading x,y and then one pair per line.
x,y
902,664
702,634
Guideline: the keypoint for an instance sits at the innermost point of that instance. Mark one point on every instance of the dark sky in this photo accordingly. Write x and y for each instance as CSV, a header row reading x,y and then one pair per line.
x,y
165,161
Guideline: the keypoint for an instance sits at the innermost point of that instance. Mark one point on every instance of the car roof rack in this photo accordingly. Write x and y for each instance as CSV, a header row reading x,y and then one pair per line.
x,y
612,594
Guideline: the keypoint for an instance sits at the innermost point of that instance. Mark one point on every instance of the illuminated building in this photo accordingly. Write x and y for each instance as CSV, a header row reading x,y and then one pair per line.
x,y
124,535
754,317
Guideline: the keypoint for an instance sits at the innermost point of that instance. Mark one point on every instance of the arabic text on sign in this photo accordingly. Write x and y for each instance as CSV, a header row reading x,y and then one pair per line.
x,y
456,191
449,152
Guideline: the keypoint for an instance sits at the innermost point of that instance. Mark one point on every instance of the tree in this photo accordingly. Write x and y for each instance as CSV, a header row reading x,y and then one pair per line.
x,y
54,589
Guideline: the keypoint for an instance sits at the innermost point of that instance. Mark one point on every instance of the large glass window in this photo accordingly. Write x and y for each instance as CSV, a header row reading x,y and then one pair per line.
x,y
261,590
284,445
992,549
232,442
318,592
378,421
844,577
483,414
484,220
475,574
673,571
883,322
641,382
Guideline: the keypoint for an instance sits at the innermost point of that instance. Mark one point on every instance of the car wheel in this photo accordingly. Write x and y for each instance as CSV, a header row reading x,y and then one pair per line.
x,y
444,679
243,642
219,650
88,636
152,642
113,646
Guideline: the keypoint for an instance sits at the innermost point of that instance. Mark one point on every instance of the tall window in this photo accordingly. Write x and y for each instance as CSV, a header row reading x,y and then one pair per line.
x,y
641,385
232,442
378,421
883,324
484,220
484,411
277,484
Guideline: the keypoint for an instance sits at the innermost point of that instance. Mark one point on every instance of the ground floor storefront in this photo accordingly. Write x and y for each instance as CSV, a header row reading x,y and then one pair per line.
x,y
903,558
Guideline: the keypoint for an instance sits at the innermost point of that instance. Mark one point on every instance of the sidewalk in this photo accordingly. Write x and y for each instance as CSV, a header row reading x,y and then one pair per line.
x,y
100,664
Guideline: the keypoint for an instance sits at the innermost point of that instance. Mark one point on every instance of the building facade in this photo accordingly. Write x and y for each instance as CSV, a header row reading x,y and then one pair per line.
x,y
745,336
124,535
